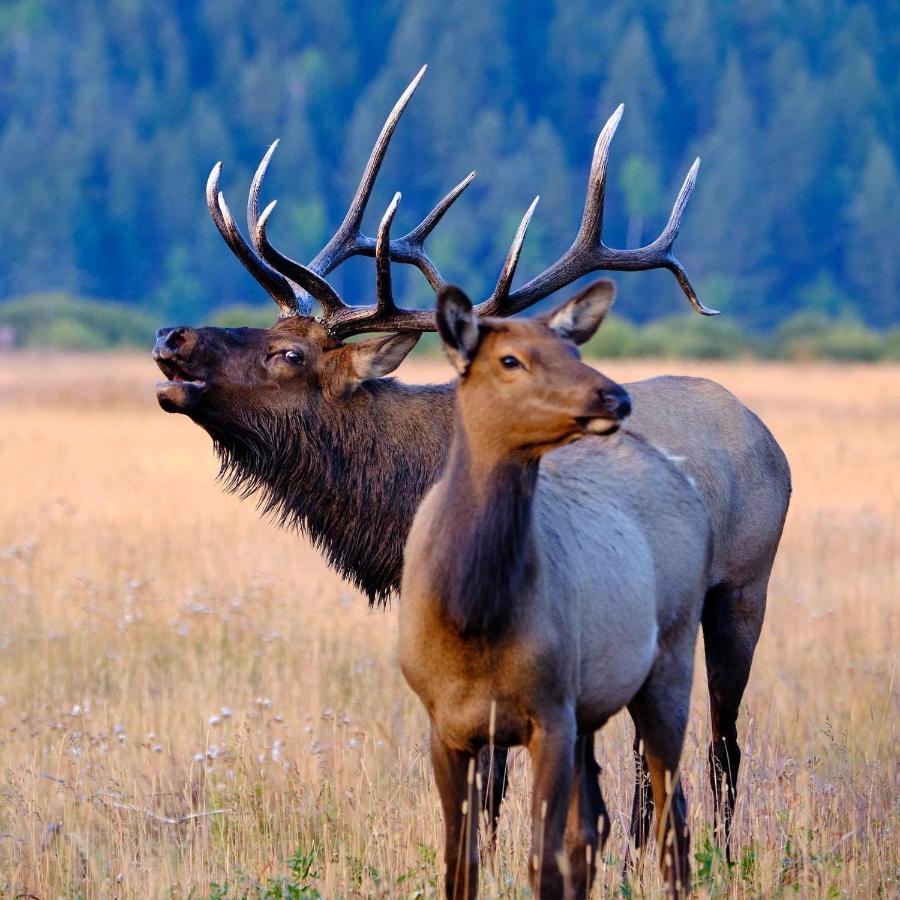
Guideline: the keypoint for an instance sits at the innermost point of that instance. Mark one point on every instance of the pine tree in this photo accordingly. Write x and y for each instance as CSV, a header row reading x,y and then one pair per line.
x,y
732,245
633,79
874,224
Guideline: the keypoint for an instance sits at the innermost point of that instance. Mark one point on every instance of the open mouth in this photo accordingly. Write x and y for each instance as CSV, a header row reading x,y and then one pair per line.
x,y
177,375
181,392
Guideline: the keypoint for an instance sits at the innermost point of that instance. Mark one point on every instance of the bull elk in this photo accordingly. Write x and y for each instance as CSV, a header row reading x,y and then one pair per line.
x,y
306,421
549,582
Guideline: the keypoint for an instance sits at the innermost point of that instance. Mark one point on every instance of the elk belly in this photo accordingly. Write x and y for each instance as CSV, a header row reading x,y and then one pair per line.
x,y
611,678
619,639
604,578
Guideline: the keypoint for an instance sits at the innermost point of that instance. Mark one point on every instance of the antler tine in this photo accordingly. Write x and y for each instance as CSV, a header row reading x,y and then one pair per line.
x,y
383,291
411,247
592,218
677,269
275,284
343,242
309,282
670,232
419,234
667,236
255,189
494,304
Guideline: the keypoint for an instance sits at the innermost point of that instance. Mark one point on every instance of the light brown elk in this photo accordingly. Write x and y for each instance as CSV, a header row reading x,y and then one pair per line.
x,y
346,456
548,582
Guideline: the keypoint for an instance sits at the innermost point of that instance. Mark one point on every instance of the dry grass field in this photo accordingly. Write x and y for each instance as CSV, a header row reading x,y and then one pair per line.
x,y
191,704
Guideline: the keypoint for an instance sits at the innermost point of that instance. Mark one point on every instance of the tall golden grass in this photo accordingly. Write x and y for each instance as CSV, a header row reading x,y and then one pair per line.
x,y
189,699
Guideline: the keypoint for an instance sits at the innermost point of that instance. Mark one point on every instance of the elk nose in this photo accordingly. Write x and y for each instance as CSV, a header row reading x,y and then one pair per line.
x,y
616,401
170,341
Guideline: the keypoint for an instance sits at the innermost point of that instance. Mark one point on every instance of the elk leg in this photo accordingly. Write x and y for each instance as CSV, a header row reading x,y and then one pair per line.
x,y
587,827
492,766
454,774
552,751
660,710
642,804
732,620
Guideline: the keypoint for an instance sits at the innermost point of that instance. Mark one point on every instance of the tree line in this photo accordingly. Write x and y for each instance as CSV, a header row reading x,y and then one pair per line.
x,y
63,322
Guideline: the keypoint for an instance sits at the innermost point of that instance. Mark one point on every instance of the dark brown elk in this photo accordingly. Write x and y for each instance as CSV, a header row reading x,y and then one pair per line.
x,y
305,421
550,579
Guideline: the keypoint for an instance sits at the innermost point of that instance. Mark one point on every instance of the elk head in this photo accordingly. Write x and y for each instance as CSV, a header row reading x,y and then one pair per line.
x,y
217,375
523,388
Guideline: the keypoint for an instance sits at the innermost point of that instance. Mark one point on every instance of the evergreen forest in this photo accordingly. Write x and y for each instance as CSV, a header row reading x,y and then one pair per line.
x,y
112,114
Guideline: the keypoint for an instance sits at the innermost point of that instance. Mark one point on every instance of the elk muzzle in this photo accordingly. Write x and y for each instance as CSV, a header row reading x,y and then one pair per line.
x,y
612,406
172,352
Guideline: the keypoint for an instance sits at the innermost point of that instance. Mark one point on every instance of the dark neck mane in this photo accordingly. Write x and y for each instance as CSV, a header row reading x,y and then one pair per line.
x,y
481,558
350,475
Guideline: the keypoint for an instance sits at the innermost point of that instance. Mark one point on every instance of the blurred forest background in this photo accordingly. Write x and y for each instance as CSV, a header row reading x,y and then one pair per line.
x,y
112,114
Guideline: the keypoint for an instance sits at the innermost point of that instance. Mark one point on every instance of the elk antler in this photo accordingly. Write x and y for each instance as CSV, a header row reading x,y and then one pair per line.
x,y
293,285
278,287
588,253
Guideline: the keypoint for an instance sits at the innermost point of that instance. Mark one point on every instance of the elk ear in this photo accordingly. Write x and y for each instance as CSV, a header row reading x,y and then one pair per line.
x,y
458,326
380,356
578,318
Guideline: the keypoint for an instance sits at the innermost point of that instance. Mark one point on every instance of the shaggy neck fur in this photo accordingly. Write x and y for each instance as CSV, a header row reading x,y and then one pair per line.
x,y
482,546
350,475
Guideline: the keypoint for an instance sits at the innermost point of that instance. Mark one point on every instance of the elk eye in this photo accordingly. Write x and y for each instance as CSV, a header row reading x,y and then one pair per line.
x,y
510,362
293,356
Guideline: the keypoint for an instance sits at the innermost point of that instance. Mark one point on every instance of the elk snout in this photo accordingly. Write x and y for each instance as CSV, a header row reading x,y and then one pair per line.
x,y
615,400
609,407
183,388
174,341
